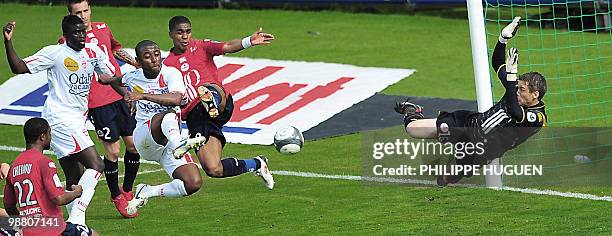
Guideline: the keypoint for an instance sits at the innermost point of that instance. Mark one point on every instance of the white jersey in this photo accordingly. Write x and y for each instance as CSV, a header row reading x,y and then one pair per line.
x,y
168,80
70,74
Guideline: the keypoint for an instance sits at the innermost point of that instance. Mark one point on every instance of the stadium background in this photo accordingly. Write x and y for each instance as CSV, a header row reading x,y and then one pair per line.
x,y
434,42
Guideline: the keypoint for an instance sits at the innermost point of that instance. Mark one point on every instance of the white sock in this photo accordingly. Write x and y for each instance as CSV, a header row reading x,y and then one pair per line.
x,y
88,181
170,128
176,188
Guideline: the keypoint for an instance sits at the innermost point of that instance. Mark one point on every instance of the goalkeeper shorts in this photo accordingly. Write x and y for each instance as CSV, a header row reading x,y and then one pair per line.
x,y
453,126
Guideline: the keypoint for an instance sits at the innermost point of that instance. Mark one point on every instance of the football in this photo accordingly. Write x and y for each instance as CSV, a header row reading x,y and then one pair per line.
x,y
288,140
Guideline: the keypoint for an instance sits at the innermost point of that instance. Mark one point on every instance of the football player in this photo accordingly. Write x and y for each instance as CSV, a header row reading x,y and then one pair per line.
x,y
209,105
70,68
157,91
108,112
34,186
518,115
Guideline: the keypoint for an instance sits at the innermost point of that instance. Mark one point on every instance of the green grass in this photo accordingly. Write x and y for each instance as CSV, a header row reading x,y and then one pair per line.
x,y
437,47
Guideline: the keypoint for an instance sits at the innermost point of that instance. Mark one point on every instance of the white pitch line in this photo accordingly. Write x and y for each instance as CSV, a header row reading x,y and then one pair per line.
x,y
557,193
18,149
427,182
385,180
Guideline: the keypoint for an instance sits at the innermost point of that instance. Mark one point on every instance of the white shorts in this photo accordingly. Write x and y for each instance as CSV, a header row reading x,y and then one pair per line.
x,y
152,151
69,137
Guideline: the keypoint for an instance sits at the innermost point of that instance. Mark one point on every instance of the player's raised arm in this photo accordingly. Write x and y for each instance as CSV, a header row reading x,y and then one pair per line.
x,y
258,38
507,68
17,65
498,58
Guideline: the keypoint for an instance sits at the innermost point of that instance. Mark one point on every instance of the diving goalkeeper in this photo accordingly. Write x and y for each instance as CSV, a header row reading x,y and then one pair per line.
x,y
518,115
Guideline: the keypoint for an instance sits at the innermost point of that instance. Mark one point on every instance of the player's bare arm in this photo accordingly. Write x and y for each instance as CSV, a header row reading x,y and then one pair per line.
x,y
126,57
114,82
257,38
108,79
169,99
68,196
17,65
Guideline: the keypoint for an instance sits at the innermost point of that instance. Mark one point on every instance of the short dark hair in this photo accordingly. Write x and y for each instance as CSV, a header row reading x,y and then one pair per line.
x,y
70,21
177,20
142,44
33,128
69,3
535,82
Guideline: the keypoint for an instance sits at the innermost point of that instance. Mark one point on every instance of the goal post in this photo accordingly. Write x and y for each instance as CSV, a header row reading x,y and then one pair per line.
x,y
480,60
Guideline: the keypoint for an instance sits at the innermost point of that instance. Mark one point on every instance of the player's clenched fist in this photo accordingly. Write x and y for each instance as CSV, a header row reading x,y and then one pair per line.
x,y
78,190
8,30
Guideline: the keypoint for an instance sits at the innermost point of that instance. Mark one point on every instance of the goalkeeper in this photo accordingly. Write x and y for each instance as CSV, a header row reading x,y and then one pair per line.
x,y
518,115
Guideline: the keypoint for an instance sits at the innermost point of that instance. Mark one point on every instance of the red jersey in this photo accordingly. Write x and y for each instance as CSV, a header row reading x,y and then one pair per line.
x,y
100,34
197,66
31,184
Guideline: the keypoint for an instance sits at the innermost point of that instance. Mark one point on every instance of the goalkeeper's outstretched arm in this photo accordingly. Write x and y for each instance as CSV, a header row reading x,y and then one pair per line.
x,y
498,59
507,69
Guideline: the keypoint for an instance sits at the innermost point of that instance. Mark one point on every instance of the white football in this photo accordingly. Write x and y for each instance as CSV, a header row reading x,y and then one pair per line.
x,y
288,140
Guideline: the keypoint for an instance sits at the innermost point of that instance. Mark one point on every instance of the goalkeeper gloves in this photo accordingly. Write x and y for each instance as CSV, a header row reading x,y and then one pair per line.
x,y
512,64
510,30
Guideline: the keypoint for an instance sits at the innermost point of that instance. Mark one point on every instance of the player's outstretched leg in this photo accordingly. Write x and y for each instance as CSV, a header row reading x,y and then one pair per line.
x,y
414,121
210,158
187,180
164,129
264,172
